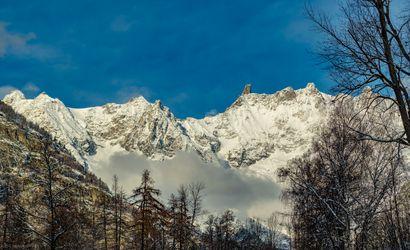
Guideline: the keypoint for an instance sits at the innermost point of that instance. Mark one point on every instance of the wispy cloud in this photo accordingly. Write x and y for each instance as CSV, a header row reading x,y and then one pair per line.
x,y
300,31
178,98
121,24
127,93
124,91
22,45
5,90
30,89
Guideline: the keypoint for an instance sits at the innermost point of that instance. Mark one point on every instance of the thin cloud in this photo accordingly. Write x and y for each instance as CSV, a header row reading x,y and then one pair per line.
x,y
179,98
21,45
29,89
121,24
5,90
127,93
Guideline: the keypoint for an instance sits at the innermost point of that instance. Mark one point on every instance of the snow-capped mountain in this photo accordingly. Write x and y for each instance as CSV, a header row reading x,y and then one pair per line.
x,y
53,116
256,132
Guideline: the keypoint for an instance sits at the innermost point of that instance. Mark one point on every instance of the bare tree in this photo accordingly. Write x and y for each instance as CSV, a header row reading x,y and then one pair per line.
x,y
369,47
105,219
208,236
184,209
118,206
196,193
227,229
53,215
13,222
341,186
99,220
182,218
275,222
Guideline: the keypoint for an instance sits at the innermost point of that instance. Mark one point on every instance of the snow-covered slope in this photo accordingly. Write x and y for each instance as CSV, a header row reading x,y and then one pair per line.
x,y
256,133
257,125
52,115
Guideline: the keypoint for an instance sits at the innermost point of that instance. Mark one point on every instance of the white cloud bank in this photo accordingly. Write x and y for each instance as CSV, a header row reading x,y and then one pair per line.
x,y
225,188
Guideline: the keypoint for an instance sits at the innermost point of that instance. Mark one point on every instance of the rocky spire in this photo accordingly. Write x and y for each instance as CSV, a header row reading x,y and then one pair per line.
x,y
311,89
158,104
247,89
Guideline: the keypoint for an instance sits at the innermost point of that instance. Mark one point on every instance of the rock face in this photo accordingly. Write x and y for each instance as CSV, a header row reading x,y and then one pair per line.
x,y
24,173
254,132
52,115
21,144
261,127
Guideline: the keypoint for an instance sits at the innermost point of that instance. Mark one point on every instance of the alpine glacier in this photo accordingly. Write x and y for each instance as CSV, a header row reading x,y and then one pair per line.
x,y
257,133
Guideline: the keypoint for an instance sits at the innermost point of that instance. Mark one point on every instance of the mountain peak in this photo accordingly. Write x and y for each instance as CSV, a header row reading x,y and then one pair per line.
x,y
311,89
43,97
138,99
255,128
247,89
158,104
15,95
310,85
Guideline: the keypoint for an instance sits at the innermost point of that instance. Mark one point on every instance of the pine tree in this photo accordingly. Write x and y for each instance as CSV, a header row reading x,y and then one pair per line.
x,y
149,213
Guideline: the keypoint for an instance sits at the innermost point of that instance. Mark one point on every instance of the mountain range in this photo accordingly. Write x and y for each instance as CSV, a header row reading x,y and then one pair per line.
x,y
257,133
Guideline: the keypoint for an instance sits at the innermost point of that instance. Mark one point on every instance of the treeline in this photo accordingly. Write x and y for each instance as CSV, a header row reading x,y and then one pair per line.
x,y
66,220
349,192
49,208
45,199
142,221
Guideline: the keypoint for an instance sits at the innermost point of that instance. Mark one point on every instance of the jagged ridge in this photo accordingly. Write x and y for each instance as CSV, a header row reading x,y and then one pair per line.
x,y
255,128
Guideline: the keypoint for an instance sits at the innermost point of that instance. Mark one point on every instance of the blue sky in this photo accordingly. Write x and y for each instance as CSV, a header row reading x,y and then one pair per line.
x,y
195,56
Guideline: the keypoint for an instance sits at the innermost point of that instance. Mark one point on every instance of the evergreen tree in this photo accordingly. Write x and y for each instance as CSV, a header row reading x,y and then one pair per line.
x,y
149,213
